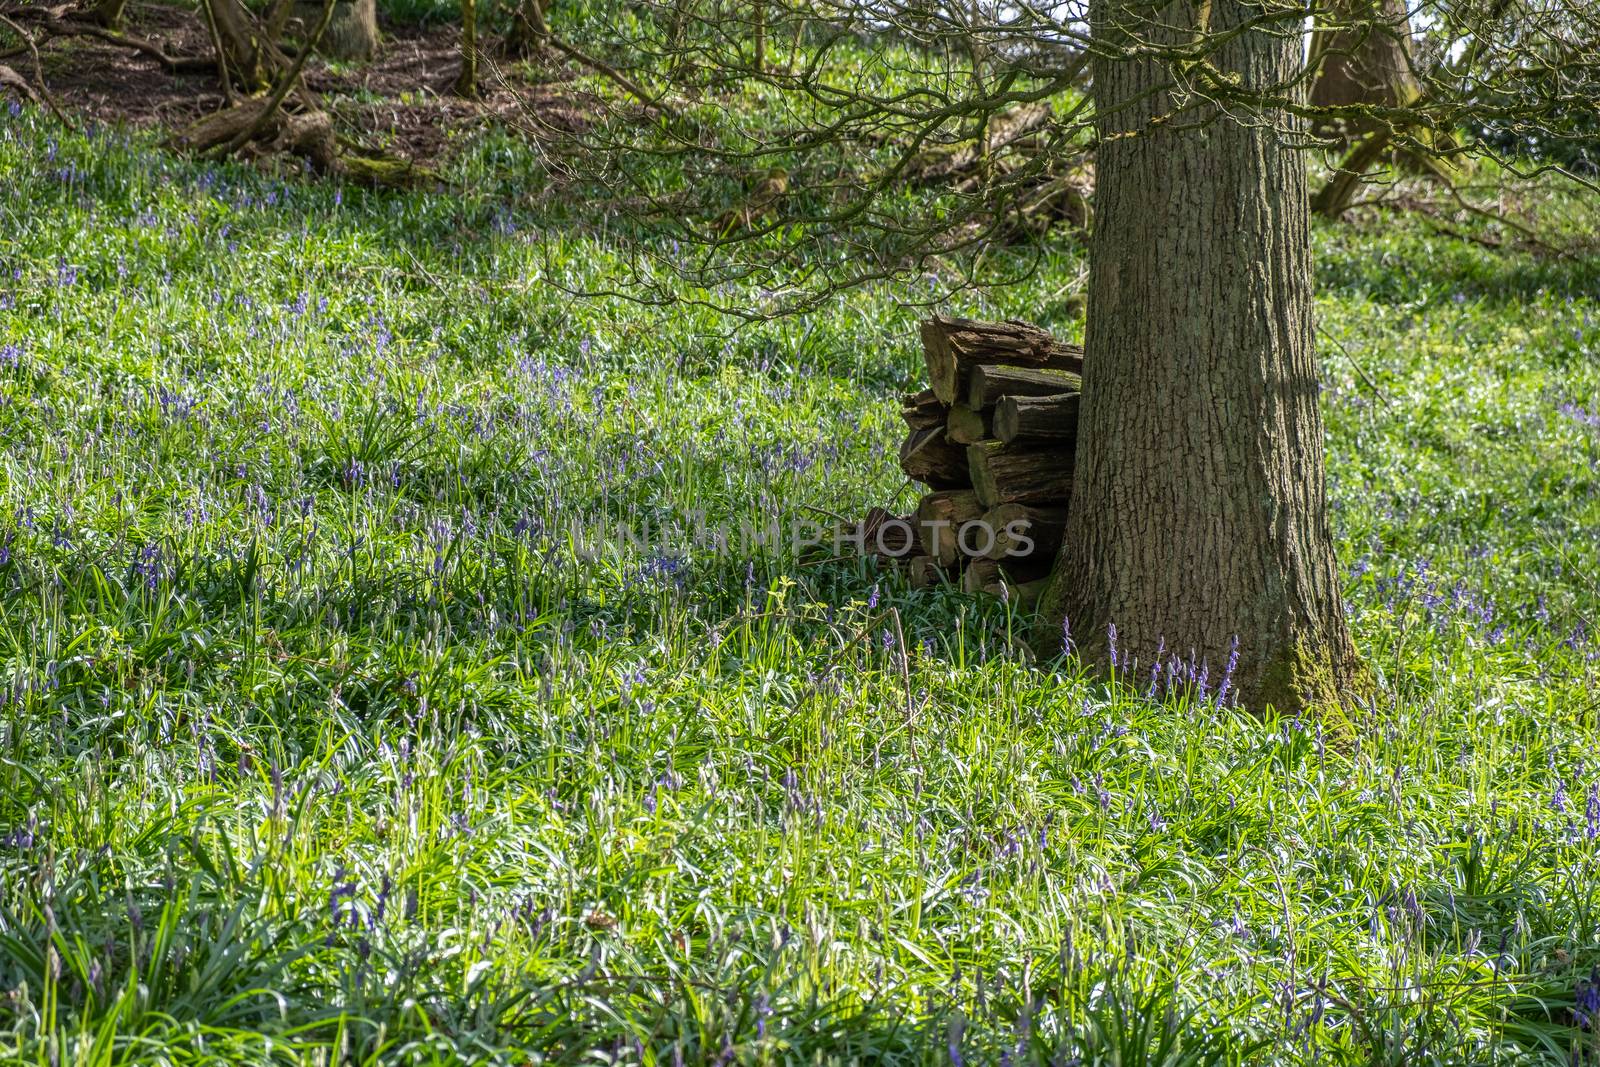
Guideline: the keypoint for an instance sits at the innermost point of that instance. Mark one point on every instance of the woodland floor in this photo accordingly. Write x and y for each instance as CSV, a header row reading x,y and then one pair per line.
x,y
325,736
400,103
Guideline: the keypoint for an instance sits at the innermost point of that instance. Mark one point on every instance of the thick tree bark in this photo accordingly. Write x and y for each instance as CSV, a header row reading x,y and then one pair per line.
x,y
1199,514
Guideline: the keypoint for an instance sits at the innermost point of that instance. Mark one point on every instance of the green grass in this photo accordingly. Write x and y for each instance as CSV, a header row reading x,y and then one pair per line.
x,y
322,741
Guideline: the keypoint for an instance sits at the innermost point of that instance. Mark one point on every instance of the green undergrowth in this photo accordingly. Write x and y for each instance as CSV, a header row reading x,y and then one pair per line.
x,y
368,695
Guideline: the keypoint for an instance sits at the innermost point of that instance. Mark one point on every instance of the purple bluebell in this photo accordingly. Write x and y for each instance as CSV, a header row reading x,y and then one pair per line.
x,y
1586,1000
1227,673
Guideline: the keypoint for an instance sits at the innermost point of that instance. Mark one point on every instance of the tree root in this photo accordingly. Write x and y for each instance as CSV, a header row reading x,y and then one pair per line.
x,y
307,135
10,79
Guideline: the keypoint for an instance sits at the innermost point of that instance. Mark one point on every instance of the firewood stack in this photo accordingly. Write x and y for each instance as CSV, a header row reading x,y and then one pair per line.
x,y
993,438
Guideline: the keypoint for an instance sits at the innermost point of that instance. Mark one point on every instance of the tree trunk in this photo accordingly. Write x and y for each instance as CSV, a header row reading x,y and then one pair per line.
x,y
242,53
354,33
1367,57
528,29
1199,513
467,80
1364,57
108,13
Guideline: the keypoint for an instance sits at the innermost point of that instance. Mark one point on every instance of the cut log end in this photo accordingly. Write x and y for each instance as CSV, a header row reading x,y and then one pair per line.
x,y
952,347
922,411
966,426
1004,474
940,518
929,457
1037,418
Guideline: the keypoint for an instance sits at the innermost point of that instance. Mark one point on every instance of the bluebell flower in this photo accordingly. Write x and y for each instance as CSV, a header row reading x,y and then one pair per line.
x,y
1227,674
958,1027
1581,416
1586,1000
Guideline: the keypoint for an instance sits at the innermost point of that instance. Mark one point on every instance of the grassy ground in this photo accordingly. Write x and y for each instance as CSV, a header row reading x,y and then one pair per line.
x,y
324,738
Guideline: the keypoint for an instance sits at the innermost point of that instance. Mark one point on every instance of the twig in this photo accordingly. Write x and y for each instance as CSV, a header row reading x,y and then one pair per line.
x,y
1440,226
285,83
1360,370
222,55
38,73
1503,219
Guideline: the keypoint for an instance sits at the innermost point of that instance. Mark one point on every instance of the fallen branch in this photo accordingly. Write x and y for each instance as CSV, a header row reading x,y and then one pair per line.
x,y
38,73
309,135
173,64
285,83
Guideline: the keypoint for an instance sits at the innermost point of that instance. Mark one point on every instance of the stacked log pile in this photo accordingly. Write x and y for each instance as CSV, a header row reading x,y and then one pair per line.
x,y
992,437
